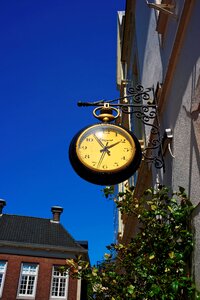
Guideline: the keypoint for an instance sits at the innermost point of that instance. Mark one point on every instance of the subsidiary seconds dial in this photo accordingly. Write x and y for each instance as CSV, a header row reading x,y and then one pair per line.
x,y
105,154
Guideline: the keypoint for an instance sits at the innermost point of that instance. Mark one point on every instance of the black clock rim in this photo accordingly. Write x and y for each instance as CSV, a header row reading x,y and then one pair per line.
x,y
104,178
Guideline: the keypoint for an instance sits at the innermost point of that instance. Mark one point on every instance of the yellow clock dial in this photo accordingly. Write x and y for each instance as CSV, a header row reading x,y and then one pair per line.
x,y
105,148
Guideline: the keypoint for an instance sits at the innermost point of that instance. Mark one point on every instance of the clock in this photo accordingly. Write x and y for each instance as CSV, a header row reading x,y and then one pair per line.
x,y
105,154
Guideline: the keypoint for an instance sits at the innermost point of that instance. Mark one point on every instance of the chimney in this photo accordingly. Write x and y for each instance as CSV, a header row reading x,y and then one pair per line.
x,y
2,204
56,211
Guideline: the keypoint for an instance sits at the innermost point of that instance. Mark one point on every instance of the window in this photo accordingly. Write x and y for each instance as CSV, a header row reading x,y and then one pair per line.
x,y
3,266
59,284
28,281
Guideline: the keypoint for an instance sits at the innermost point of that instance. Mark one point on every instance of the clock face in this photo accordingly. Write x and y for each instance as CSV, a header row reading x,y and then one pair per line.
x,y
105,154
105,148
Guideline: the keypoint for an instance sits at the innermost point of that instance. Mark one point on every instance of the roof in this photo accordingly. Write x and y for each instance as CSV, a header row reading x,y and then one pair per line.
x,y
36,231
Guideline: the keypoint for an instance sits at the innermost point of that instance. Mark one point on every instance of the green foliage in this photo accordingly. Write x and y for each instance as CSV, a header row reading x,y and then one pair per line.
x,y
155,264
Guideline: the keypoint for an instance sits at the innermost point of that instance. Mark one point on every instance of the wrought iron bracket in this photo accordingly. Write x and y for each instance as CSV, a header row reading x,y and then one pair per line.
x,y
142,103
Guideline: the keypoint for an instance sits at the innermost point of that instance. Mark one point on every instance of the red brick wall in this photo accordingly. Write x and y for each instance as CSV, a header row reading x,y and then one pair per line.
x,y
44,276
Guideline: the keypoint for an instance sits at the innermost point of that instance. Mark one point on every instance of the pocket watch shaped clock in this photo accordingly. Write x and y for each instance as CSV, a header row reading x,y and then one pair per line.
x,y
105,154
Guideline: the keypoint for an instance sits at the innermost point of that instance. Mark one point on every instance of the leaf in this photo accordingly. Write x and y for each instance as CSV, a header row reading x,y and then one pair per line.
x,y
107,256
197,297
175,285
173,200
170,208
94,272
131,289
148,191
131,188
120,194
151,256
120,246
181,190
156,289
108,191
71,263
171,254
153,207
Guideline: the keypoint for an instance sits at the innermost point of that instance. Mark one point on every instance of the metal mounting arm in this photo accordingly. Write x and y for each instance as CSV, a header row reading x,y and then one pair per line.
x,y
142,103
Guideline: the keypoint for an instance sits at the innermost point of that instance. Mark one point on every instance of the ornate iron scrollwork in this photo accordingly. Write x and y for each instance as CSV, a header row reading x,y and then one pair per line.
x,y
142,103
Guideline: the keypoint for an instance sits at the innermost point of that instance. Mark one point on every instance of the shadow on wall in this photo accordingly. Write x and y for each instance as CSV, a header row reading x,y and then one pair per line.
x,y
194,115
143,25
183,105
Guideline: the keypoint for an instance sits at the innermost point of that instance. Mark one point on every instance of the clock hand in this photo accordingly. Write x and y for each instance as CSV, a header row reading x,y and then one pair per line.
x,y
103,154
102,145
99,141
110,146
101,158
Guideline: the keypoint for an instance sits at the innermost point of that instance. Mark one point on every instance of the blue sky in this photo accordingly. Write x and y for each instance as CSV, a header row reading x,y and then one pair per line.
x,y
53,54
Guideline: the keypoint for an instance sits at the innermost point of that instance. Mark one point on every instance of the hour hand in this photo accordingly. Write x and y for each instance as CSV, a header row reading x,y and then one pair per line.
x,y
110,146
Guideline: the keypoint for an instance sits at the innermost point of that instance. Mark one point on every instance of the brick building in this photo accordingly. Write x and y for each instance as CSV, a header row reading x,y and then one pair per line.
x,y
31,250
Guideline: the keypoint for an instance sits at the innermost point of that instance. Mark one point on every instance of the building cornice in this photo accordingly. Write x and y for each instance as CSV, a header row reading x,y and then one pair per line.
x,y
39,250
128,29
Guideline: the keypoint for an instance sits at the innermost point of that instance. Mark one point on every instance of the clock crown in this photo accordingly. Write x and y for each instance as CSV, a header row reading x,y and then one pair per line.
x,y
106,113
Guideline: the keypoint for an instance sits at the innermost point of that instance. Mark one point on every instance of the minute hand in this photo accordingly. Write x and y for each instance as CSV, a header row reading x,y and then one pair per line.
x,y
99,141
110,146
105,149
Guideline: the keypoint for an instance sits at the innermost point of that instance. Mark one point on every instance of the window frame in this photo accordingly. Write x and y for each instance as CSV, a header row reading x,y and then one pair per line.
x,y
28,296
60,276
3,276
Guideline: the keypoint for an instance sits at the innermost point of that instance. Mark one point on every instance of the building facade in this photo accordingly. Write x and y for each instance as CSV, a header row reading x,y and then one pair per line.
x,y
31,252
159,48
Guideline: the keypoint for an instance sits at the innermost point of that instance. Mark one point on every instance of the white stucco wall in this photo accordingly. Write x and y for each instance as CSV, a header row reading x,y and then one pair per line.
x,y
153,59
183,170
